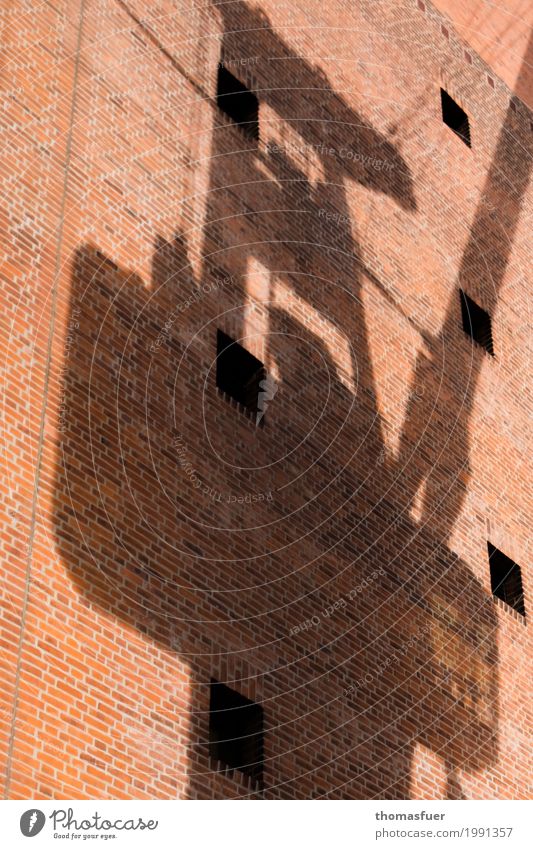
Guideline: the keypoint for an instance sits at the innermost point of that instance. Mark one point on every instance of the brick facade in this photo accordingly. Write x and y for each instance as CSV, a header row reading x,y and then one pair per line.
x,y
331,564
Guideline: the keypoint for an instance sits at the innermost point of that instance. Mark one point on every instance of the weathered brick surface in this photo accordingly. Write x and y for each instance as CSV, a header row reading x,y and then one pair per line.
x,y
499,33
351,595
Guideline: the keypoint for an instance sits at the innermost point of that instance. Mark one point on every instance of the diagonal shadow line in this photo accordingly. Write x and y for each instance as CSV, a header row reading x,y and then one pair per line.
x,y
154,40
482,268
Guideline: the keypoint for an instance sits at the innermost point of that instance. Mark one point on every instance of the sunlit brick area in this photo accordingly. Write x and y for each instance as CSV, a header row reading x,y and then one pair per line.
x,y
266,384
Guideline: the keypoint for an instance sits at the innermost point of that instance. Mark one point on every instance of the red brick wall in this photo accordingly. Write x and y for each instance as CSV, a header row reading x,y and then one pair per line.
x,y
499,34
136,223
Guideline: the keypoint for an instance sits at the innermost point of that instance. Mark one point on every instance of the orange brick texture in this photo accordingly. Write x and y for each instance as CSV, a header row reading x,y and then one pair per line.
x,y
331,564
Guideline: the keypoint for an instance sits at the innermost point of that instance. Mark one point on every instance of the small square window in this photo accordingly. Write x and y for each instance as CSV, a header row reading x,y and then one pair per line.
x,y
238,102
239,373
235,731
506,579
455,117
476,322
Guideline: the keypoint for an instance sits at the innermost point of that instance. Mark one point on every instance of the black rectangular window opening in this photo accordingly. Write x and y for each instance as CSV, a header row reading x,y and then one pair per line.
x,y
506,579
238,102
455,117
239,373
236,731
476,322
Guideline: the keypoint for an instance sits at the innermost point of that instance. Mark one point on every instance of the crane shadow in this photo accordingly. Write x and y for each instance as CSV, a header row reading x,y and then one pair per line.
x,y
152,531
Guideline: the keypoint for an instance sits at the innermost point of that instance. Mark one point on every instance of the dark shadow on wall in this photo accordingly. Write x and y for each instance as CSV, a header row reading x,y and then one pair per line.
x,y
149,547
